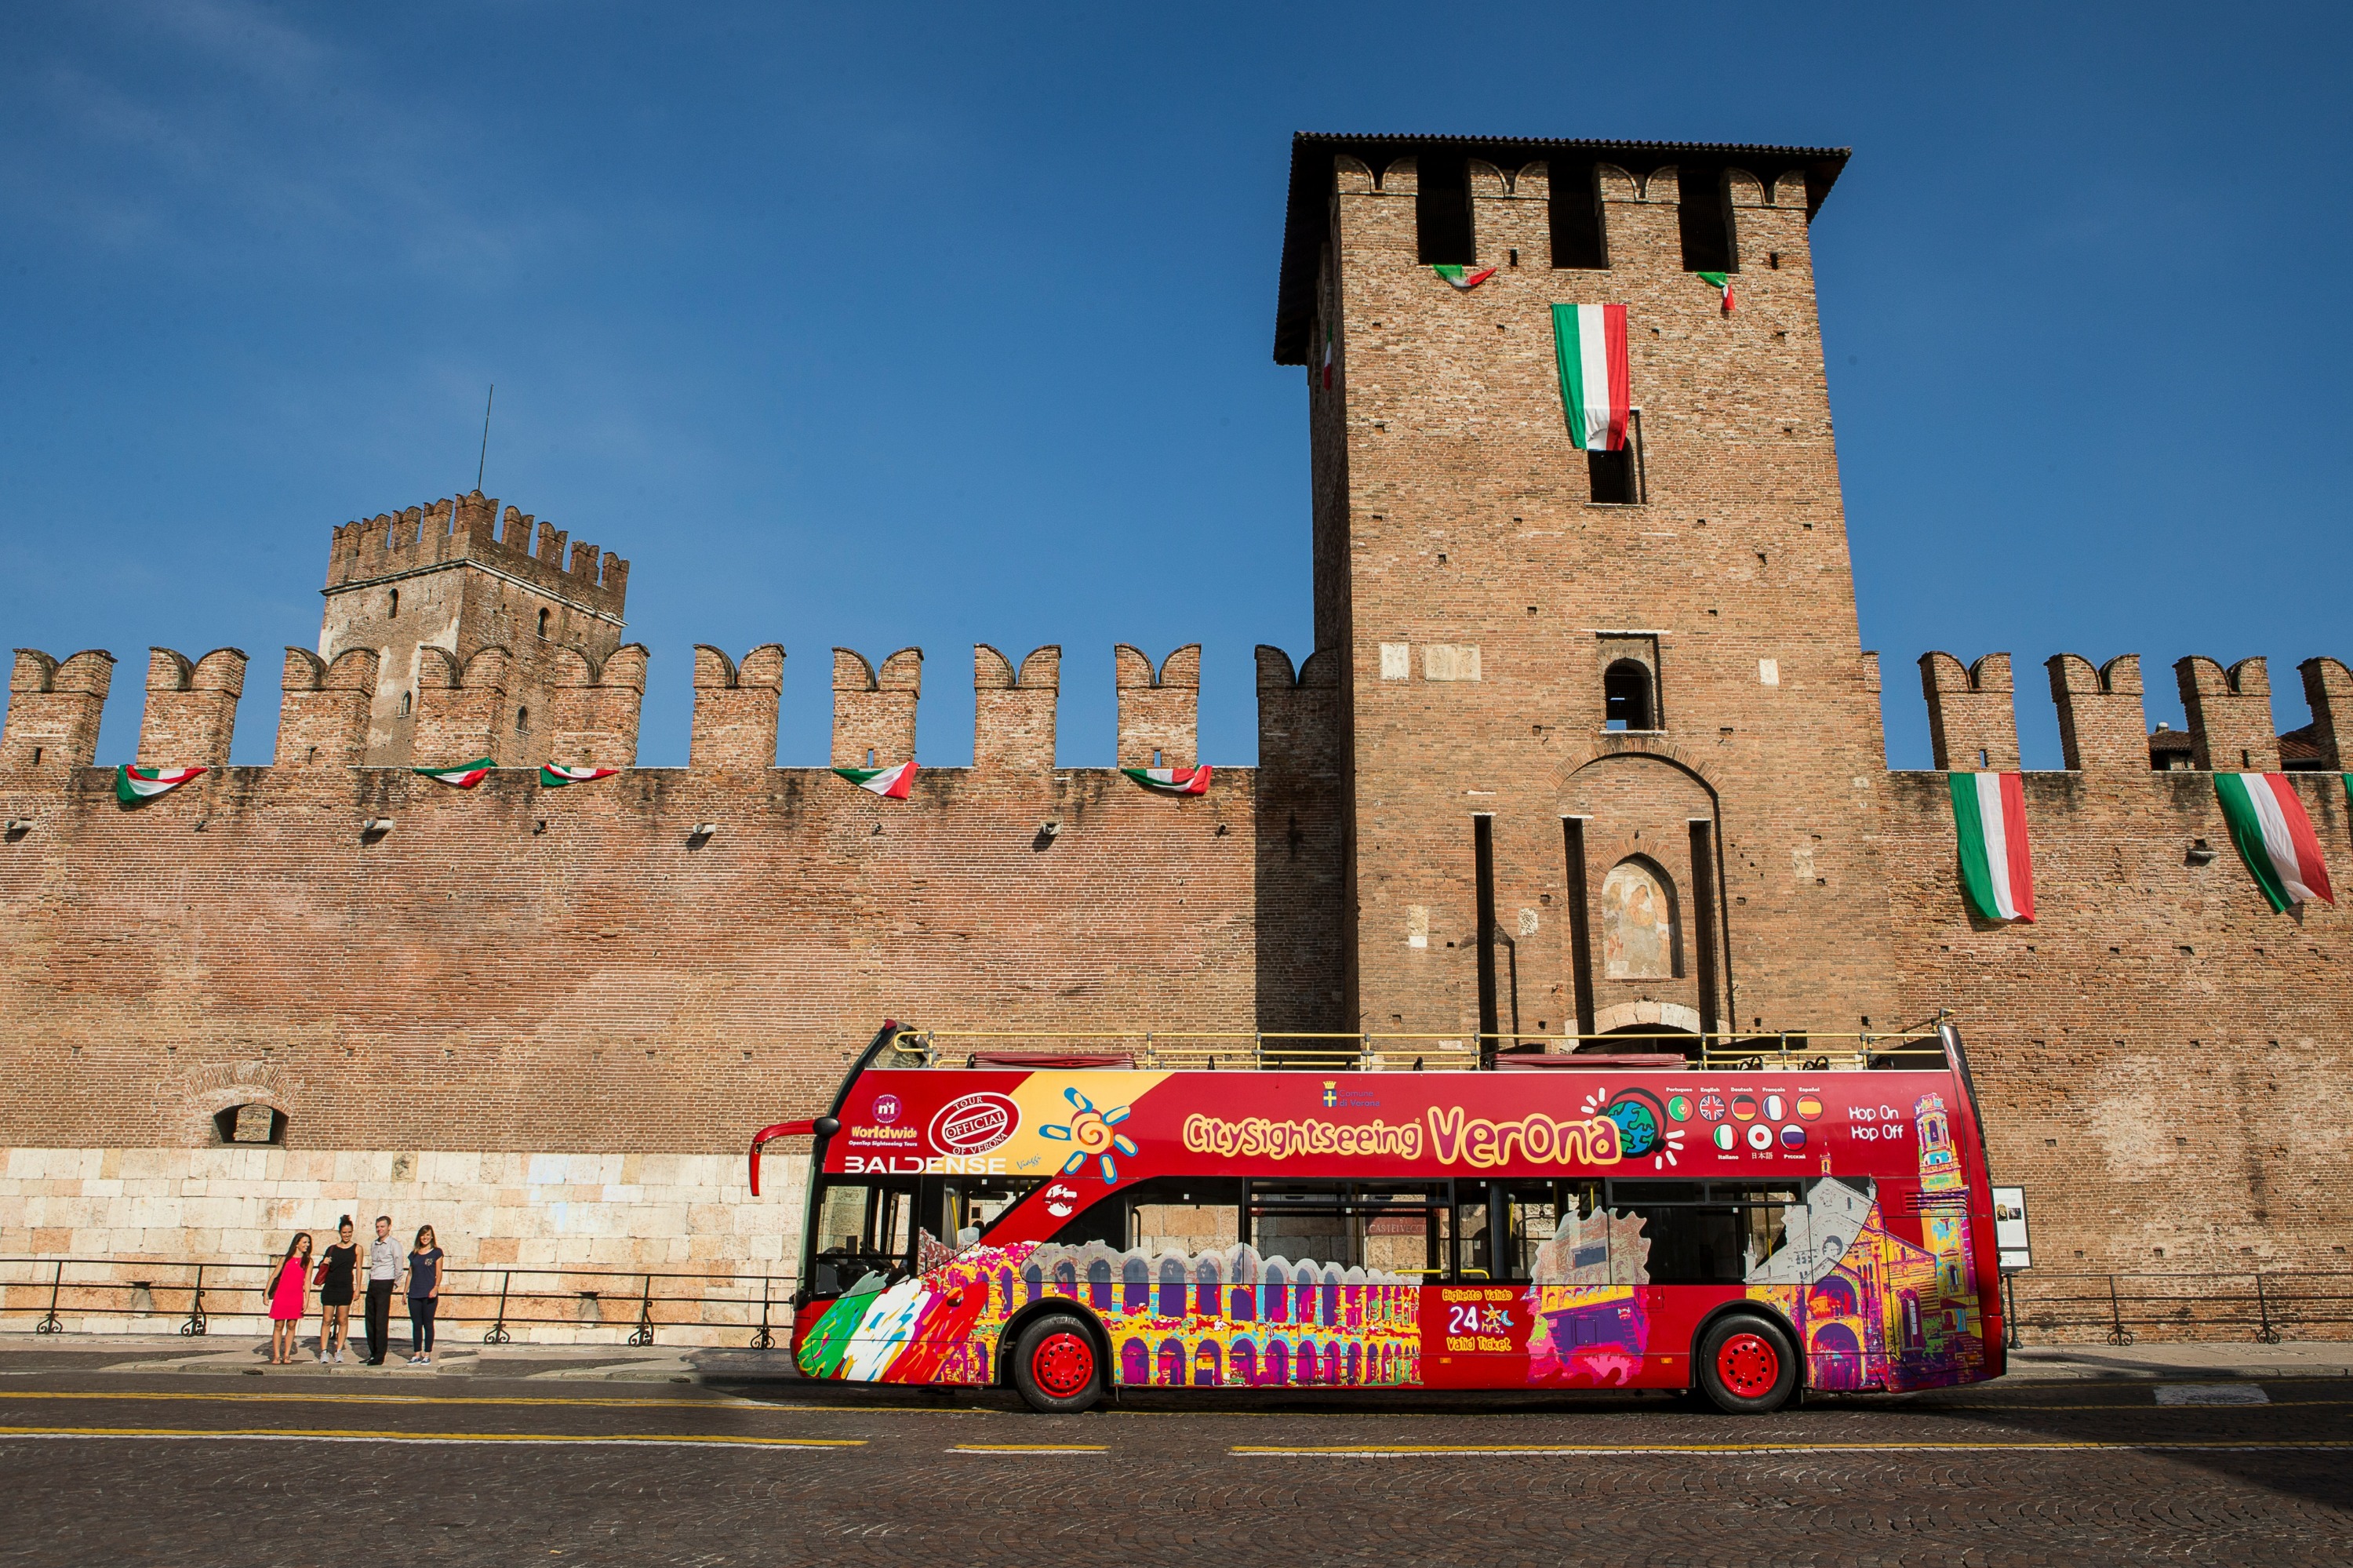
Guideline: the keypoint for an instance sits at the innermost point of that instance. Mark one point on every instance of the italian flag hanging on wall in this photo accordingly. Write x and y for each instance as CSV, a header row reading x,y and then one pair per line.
x,y
1464,278
464,776
1172,781
1591,342
1722,283
1990,819
891,783
132,785
555,776
2274,837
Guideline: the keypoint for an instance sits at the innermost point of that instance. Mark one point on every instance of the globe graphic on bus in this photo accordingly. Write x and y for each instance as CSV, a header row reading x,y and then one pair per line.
x,y
1637,1115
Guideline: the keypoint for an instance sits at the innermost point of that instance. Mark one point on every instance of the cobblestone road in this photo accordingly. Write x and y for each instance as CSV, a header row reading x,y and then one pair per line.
x,y
127,1467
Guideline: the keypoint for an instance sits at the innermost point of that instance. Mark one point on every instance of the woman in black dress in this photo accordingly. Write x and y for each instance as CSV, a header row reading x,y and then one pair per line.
x,y
334,1282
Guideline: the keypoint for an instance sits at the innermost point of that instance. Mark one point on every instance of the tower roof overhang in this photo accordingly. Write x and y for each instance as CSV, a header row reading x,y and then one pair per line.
x,y
1307,221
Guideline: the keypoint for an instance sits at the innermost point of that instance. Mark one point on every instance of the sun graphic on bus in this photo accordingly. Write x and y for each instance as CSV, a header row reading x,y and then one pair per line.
x,y
1091,1131
1641,1121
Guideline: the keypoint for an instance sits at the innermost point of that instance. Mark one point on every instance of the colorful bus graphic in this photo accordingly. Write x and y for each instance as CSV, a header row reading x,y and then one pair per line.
x,y
1067,1224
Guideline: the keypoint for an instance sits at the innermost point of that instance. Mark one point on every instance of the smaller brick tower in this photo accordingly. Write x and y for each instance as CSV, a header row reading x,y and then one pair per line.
x,y
429,588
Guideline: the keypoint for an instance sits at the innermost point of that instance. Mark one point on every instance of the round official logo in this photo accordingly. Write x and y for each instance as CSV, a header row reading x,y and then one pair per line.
x,y
975,1124
886,1107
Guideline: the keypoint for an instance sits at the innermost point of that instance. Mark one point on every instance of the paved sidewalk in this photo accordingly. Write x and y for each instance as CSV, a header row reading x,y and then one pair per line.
x,y
244,1354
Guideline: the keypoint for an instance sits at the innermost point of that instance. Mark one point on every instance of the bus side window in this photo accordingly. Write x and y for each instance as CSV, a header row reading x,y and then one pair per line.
x,y
861,1228
1540,1212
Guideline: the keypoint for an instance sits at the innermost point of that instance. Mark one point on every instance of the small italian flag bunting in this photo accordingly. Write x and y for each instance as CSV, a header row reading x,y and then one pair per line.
x,y
464,776
132,785
1590,343
1172,781
2274,837
555,776
1464,278
891,783
1722,283
1996,872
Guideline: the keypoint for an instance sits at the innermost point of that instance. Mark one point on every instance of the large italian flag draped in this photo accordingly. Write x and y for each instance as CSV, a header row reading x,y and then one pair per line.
x,y
2274,837
555,776
132,785
1990,819
891,783
464,776
1591,342
1172,781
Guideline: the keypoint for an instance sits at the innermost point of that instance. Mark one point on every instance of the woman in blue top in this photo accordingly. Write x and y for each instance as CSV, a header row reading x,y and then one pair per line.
x,y
424,1296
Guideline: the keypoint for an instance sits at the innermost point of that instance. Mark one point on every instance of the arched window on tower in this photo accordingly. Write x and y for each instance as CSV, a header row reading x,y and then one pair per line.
x,y
542,623
1628,698
1639,939
392,613
522,721
406,700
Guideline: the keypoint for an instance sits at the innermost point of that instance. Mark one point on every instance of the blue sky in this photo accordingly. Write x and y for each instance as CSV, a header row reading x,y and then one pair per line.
x,y
891,325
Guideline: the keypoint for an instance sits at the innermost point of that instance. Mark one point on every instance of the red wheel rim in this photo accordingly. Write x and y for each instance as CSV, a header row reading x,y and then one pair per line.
x,y
1063,1363
1748,1364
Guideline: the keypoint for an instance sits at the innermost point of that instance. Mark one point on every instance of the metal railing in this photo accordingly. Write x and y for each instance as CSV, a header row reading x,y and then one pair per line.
x,y
1192,1050
188,1296
2263,1305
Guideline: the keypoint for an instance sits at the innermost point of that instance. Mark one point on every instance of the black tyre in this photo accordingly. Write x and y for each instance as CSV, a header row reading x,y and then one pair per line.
x,y
1747,1365
1057,1365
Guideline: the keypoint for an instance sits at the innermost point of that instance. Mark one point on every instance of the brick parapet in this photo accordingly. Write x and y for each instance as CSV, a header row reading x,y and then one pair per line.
x,y
2328,689
2230,712
191,711
54,709
1972,723
736,709
1159,710
323,713
1014,714
874,710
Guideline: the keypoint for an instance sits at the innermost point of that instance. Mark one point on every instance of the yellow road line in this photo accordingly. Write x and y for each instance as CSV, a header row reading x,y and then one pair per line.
x,y
225,1396
1030,1448
340,1435
1436,1450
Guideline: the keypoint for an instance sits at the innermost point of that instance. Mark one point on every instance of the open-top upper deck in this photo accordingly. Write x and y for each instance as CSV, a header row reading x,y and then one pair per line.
x,y
1920,1046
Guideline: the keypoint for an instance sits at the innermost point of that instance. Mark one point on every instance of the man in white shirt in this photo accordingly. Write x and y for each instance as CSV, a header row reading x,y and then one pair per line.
x,y
383,1273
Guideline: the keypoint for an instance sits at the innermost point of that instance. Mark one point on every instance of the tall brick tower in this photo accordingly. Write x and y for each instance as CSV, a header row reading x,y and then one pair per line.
x,y
1615,747
433,588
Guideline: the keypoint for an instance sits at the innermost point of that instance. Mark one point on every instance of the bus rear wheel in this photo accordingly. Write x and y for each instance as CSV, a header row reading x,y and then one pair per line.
x,y
1056,1367
1747,1365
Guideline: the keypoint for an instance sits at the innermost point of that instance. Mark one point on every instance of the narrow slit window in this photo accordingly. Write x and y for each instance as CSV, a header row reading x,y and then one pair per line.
x,y
392,611
522,721
1579,236
542,623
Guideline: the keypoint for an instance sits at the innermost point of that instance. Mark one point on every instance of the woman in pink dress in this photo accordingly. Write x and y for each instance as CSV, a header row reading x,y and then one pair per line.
x,y
288,1292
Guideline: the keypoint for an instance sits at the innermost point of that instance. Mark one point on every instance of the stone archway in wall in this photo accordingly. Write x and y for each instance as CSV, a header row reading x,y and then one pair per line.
x,y
1640,823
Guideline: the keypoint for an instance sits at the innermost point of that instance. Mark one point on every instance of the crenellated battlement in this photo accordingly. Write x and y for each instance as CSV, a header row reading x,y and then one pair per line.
x,y
471,527
2104,723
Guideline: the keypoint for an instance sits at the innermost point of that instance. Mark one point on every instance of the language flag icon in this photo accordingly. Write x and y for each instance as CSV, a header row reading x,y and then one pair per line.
x,y
1725,1137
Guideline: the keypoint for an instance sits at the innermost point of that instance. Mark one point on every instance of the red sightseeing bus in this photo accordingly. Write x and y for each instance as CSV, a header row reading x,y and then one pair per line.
x,y
1744,1225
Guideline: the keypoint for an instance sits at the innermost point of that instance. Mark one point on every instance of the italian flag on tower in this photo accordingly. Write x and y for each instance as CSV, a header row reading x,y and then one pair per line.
x,y
1595,386
1990,819
464,776
2274,837
1172,781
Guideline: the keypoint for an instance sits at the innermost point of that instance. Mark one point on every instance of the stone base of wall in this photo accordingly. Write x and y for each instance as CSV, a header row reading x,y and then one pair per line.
x,y
551,1228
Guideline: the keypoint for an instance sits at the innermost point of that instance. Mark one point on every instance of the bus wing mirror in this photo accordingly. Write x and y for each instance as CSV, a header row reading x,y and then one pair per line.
x,y
823,1127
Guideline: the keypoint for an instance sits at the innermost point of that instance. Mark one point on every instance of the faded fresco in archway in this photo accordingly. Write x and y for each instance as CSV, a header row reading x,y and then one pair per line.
x,y
1638,924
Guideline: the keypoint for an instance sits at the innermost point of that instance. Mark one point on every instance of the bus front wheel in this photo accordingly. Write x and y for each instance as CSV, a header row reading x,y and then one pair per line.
x,y
1056,1367
1747,1365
